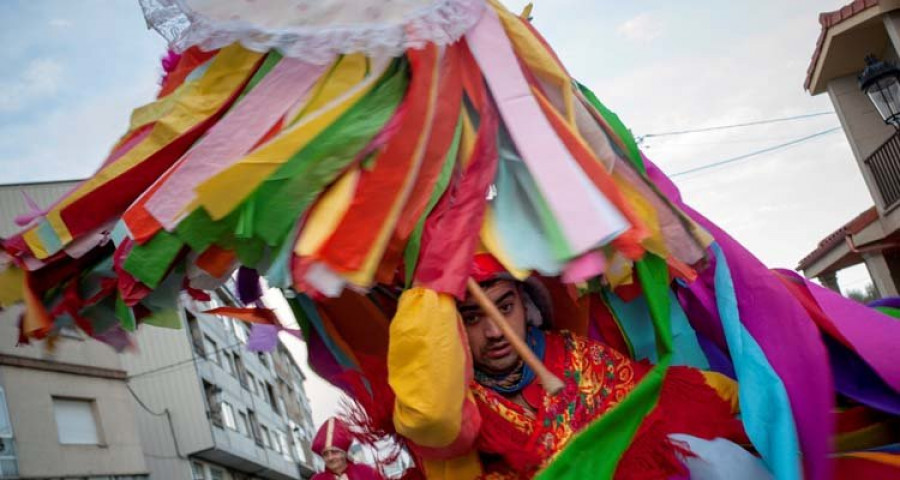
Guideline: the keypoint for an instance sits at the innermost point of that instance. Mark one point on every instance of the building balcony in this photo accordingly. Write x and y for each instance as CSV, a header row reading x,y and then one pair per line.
x,y
884,165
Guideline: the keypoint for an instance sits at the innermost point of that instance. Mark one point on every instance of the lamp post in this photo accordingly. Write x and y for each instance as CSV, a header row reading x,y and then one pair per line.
x,y
880,81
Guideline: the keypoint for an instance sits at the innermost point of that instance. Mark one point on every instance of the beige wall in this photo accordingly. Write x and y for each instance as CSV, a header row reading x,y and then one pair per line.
x,y
862,124
29,394
12,203
162,368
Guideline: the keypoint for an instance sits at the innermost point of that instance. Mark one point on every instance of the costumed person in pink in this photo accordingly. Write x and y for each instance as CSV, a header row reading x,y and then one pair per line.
x,y
332,443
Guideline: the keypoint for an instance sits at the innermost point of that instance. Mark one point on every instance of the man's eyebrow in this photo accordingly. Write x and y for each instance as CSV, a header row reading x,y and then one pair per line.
x,y
474,307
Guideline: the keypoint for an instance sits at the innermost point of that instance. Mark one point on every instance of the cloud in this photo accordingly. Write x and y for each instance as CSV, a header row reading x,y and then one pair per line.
x,y
643,28
40,79
779,204
70,142
60,23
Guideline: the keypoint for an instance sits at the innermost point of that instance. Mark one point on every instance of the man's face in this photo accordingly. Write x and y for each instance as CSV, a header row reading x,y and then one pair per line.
x,y
490,350
335,460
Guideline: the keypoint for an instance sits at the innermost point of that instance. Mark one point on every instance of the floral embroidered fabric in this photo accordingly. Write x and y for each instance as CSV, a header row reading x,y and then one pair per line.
x,y
596,378
315,31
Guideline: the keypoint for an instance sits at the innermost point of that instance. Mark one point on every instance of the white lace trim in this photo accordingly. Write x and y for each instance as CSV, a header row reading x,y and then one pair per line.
x,y
440,22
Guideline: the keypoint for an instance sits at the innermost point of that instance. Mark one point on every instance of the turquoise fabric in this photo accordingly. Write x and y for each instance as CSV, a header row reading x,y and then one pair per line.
x,y
634,317
765,409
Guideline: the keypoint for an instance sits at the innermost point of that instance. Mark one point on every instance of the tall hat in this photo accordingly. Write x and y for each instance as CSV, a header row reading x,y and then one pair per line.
x,y
332,434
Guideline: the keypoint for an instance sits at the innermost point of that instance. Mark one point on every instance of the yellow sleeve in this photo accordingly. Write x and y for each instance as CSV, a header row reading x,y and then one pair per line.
x,y
429,369
459,468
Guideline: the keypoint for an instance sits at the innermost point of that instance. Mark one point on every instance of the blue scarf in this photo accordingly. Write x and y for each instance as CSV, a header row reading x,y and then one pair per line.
x,y
507,383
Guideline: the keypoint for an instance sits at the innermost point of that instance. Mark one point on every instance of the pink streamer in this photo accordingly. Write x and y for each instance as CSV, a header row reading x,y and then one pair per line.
x,y
587,218
232,137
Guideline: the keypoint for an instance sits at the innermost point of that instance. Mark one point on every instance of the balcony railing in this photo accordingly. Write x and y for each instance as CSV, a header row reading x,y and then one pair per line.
x,y
884,163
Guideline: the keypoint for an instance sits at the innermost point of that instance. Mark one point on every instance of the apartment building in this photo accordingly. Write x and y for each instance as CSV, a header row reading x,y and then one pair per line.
x,y
213,410
190,403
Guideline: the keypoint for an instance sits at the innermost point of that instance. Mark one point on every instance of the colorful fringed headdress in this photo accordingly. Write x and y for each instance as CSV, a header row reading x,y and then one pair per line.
x,y
348,160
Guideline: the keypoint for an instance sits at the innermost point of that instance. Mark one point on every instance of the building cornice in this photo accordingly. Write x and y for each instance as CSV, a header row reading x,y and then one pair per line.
x,y
58,367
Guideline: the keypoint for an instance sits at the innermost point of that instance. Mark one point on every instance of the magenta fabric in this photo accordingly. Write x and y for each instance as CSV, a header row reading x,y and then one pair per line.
x,y
874,335
698,299
790,339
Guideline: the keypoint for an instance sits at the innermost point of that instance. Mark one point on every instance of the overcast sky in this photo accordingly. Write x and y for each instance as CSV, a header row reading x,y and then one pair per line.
x,y
73,71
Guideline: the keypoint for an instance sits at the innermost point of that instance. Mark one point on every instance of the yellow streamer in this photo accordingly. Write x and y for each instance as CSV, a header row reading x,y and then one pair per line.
x,y
12,281
227,72
154,111
466,140
535,54
221,194
655,242
344,74
327,213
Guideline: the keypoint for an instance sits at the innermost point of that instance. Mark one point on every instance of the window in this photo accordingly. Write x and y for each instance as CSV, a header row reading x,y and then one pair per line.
x,y
229,363
244,425
254,427
262,390
285,446
228,416
213,400
216,473
212,349
226,297
241,371
197,472
76,422
251,383
9,467
276,442
240,330
271,394
196,334
267,439
297,435
281,407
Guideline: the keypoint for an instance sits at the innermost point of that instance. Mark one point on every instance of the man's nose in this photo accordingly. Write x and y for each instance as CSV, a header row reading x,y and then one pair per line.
x,y
491,330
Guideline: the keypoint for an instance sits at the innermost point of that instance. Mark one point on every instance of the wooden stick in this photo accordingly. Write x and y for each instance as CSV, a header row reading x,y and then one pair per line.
x,y
551,383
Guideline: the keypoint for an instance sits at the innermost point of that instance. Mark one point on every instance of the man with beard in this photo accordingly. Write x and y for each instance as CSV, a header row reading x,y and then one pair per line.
x,y
512,428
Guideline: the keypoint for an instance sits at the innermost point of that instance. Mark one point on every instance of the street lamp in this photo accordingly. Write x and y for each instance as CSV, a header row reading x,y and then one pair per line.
x,y
880,81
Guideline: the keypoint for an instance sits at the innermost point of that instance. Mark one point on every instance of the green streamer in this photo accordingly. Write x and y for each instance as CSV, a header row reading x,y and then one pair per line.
x,y
149,262
595,452
284,196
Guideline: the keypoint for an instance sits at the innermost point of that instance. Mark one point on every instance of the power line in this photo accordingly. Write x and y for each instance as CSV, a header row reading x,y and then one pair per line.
x,y
755,140
165,412
184,362
734,125
755,153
